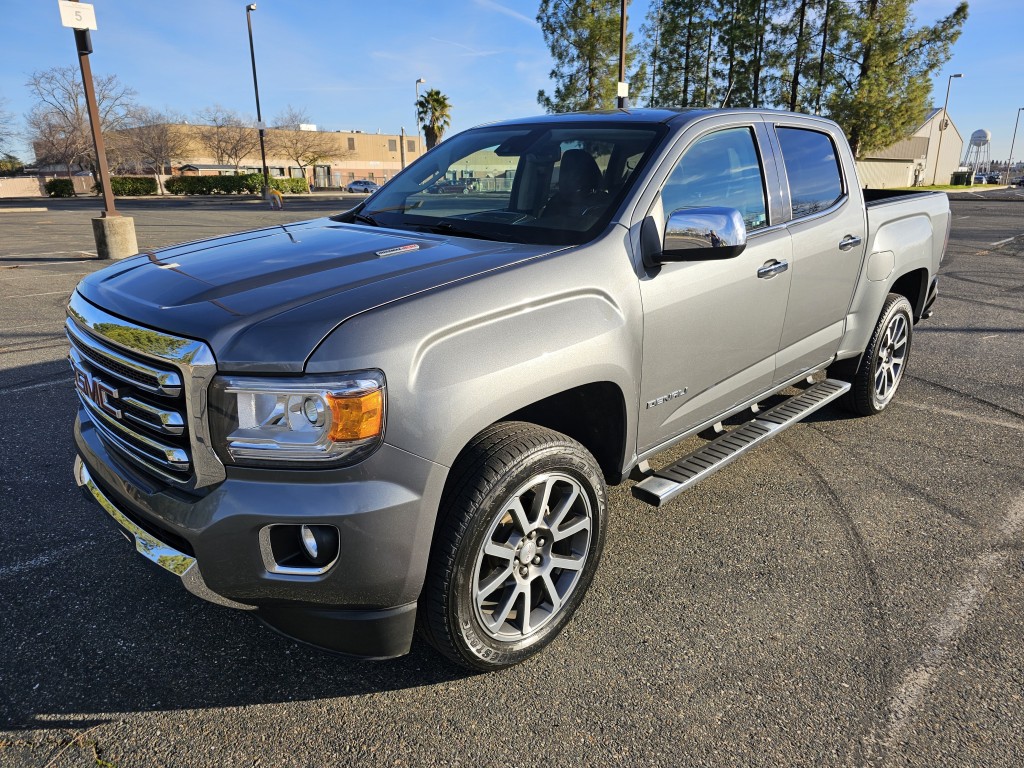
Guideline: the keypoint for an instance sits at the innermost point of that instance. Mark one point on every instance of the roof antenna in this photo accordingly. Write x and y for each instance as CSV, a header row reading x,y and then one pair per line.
x,y
726,99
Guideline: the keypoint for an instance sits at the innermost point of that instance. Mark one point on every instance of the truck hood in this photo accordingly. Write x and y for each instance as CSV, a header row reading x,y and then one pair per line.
x,y
264,300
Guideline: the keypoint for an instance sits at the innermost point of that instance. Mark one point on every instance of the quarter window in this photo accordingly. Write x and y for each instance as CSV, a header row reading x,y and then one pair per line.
x,y
812,166
720,169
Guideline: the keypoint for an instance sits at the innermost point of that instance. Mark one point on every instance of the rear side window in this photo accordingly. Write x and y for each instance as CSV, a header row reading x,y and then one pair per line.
x,y
812,166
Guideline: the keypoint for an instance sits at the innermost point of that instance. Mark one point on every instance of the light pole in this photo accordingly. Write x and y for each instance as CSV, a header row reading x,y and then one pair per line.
x,y
259,115
942,127
419,82
623,90
1009,163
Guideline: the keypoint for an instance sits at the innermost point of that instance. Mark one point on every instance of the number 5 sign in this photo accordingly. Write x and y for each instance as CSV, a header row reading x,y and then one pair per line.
x,y
77,15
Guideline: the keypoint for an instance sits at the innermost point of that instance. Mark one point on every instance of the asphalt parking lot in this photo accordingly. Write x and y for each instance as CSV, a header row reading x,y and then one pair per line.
x,y
849,594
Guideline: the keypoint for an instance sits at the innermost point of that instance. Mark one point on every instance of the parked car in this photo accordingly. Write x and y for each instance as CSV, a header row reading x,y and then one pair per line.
x,y
979,178
451,187
1018,182
994,178
362,185
406,415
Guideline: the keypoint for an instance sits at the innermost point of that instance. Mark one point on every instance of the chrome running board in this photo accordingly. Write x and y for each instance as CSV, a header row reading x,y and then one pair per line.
x,y
665,484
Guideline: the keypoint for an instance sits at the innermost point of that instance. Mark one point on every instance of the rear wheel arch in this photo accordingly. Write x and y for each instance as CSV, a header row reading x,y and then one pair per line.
x,y
914,286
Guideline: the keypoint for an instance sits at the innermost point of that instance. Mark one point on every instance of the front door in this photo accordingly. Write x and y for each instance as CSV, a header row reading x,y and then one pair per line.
x,y
712,328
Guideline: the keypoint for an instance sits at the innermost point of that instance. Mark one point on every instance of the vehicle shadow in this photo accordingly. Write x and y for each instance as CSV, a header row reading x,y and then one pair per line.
x,y
90,628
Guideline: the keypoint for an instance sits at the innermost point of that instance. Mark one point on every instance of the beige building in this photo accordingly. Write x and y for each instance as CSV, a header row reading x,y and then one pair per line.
x,y
325,158
915,161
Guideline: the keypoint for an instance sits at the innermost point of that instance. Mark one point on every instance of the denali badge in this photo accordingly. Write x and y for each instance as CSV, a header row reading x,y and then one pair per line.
x,y
666,398
399,249
97,392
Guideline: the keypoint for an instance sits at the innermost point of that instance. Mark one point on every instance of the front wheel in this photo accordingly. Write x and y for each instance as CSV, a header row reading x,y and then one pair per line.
x,y
519,537
880,371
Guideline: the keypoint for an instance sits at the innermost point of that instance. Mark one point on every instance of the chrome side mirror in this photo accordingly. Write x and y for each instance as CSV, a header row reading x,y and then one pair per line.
x,y
695,234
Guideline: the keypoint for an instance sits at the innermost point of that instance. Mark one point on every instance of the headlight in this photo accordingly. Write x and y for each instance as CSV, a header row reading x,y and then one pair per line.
x,y
304,422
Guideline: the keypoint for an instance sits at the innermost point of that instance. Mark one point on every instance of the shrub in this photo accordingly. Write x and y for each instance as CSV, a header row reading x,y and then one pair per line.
x,y
249,183
130,186
291,186
59,188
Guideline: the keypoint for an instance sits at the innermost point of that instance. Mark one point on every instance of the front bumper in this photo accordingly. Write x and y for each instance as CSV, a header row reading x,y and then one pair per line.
x,y
365,605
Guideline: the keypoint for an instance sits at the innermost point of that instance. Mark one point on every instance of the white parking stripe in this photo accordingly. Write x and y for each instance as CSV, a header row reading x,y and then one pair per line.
x,y
40,560
948,631
27,387
48,293
1000,242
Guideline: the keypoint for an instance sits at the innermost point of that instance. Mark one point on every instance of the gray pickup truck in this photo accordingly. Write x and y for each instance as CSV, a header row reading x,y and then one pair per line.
x,y
406,415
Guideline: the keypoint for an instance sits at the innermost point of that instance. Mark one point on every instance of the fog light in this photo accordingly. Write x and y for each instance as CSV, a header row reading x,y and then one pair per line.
x,y
299,549
309,541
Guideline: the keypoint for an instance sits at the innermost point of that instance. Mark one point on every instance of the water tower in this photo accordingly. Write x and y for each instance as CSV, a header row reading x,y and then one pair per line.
x,y
978,151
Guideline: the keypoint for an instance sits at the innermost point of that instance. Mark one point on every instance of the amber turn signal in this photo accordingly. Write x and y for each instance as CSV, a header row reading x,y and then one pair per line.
x,y
356,417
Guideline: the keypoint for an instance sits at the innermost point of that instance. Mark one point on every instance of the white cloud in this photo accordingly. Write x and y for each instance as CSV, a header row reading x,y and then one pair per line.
x,y
499,8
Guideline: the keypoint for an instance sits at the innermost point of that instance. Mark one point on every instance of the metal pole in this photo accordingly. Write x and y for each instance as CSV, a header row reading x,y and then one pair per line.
x,y
256,87
942,127
654,62
416,111
83,43
97,135
622,100
1009,163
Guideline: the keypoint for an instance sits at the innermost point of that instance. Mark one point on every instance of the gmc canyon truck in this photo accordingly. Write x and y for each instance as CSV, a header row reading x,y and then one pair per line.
x,y
406,415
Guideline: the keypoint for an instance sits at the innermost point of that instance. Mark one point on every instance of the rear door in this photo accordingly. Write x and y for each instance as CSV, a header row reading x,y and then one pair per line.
x,y
712,327
828,227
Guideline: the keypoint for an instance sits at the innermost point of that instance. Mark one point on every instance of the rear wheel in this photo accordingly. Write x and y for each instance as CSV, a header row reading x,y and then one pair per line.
x,y
519,538
879,373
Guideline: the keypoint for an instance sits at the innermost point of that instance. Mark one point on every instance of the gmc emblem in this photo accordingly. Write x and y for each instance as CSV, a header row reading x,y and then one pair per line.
x,y
98,392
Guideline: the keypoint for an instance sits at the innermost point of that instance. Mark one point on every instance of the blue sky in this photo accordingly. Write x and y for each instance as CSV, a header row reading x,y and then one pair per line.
x,y
353,65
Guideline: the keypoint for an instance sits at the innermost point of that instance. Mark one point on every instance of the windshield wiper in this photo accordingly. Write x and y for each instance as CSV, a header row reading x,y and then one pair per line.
x,y
365,218
447,228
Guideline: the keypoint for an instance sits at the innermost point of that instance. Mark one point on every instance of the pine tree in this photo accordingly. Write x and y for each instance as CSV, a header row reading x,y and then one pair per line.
x,y
583,36
884,68
675,36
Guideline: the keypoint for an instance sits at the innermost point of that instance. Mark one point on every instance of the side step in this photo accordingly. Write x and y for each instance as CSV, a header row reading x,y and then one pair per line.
x,y
666,483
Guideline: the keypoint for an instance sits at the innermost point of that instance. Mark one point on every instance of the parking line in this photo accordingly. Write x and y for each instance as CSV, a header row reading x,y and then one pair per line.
x,y
948,631
58,382
1001,242
48,293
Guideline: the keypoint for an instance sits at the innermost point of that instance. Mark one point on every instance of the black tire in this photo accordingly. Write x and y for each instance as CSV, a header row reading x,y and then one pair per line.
x,y
879,372
473,607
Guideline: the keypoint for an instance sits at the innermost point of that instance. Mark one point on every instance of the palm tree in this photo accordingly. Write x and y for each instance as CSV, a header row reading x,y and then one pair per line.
x,y
434,113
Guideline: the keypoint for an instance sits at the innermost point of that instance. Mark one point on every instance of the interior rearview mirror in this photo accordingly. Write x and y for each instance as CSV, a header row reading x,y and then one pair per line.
x,y
695,234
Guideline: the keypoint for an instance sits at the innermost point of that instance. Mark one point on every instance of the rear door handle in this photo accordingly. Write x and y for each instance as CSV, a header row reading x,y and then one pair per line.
x,y
772,268
849,242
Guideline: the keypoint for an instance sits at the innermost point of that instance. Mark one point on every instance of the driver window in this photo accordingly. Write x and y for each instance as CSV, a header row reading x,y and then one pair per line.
x,y
720,169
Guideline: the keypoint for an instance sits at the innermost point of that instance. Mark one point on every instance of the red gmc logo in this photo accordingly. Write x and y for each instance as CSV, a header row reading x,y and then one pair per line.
x,y
98,392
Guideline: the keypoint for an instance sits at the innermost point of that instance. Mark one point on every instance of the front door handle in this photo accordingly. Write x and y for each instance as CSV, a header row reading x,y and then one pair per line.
x,y
849,242
772,268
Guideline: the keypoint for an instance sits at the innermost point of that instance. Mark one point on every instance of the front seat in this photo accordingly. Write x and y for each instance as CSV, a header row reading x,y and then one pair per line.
x,y
579,182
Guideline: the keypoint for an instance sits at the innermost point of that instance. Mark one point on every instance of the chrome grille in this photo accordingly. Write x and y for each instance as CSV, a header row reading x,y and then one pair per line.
x,y
145,393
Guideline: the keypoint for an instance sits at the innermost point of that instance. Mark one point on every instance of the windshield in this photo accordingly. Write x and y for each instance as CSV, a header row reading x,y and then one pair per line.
x,y
545,183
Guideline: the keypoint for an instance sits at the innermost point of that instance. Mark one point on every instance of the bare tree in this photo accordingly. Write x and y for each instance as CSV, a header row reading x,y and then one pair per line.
x,y
59,123
228,136
156,141
303,147
7,132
